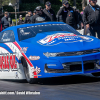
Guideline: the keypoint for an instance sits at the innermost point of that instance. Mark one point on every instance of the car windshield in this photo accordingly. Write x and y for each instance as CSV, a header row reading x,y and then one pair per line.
x,y
32,31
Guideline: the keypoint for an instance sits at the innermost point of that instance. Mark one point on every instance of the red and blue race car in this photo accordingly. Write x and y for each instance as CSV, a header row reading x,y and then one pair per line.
x,y
49,49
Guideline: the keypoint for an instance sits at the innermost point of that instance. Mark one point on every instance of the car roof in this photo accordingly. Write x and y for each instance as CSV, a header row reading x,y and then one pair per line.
x,y
26,25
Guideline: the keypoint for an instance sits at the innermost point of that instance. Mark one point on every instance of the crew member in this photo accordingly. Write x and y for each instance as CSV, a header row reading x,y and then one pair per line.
x,y
40,16
91,18
49,11
20,21
28,17
6,21
69,16
34,12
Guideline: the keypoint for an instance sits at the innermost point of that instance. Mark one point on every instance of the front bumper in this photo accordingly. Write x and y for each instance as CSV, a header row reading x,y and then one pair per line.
x,y
72,65
75,67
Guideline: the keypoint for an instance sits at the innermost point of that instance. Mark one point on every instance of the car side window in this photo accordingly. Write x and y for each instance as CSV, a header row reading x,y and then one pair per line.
x,y
7,36
1,35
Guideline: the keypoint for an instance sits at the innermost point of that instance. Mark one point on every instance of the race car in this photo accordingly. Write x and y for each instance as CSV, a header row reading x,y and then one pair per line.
x,y
43,50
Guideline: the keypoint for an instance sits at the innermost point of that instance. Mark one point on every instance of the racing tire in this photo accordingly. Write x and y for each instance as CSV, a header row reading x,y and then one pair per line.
x,y
26,72
96,74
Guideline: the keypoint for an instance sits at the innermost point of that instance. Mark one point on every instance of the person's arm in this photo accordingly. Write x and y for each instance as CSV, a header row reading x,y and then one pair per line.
x,y
54,16
10,22
59,13
18,23
33,19
25,21
76,17
85,15
80,18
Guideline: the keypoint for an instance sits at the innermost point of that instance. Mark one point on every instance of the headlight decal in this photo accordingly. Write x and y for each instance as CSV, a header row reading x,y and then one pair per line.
x,y
76,53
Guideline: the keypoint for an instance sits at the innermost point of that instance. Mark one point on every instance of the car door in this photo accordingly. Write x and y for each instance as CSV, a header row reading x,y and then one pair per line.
x,y
7,56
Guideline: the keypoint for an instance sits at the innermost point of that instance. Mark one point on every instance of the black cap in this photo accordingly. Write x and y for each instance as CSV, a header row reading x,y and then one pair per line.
x,y
38,8
65,2
47,3
34,11
6,12
20,16
29,11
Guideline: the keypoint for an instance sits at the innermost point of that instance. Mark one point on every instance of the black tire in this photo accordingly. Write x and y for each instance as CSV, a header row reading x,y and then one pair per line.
x,y
96,74
26,71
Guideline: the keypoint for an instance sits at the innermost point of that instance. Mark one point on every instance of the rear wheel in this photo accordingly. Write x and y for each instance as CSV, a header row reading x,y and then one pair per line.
x,y
96,74
26,71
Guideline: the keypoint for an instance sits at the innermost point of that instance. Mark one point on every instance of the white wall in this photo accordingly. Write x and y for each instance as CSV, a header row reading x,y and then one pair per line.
x,y
98,2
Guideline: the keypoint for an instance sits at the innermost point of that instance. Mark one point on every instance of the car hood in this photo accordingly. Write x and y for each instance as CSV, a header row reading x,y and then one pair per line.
x,y
63,42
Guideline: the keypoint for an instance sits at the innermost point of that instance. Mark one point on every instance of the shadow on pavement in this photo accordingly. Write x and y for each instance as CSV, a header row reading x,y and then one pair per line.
x,y
76,79
17,81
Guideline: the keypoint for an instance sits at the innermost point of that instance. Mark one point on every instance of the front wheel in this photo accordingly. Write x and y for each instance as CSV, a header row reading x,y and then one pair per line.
x,y
96,74
26,71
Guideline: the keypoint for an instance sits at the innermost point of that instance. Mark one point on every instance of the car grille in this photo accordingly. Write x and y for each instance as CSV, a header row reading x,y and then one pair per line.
x,y
78,52
77,66
74,67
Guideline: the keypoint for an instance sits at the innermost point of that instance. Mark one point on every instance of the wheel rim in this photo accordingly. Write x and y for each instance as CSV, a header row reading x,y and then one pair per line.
x,y
27,73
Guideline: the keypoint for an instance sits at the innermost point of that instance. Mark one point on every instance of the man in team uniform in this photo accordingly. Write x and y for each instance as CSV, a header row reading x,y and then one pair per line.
x,y
28,17
91,18
6,21
39,16
49,11
20,21
68,14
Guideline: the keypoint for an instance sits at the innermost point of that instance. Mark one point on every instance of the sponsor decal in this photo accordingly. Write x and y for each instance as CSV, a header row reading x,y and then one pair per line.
x,y
63,38
36,71
15,47
40,19
71,10
80,53
23,49
94,51
34,57
8,62
16,75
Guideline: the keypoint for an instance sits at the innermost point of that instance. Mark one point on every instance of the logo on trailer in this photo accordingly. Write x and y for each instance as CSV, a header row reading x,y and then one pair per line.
x,y
63,38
